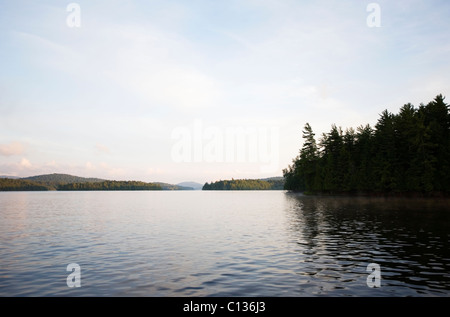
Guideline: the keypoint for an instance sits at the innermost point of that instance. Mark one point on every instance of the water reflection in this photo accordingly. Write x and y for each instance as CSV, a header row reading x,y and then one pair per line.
x,y
339,236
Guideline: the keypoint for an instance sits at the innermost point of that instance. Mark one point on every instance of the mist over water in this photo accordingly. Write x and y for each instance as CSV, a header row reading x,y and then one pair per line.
x,y
221,243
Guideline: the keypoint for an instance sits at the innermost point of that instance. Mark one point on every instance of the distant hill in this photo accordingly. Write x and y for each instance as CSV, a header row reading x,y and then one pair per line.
x,y
193,185
10,177
61,179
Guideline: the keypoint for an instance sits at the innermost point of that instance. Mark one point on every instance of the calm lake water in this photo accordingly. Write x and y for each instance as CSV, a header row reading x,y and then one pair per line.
x,y
221,243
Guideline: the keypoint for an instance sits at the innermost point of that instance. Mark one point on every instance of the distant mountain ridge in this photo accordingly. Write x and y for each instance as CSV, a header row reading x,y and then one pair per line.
x,y
193,185
167,186
62,179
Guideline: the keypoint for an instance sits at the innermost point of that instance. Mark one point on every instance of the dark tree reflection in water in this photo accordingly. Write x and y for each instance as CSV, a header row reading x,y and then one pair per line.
x,y
408,237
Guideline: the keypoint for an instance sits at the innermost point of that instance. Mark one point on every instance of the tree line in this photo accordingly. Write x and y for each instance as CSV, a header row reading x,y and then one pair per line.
x,y
26,185
407,152
7,184
244,184
111,185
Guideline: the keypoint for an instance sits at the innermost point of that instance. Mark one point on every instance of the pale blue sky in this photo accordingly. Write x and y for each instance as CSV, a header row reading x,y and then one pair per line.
x,y
105,99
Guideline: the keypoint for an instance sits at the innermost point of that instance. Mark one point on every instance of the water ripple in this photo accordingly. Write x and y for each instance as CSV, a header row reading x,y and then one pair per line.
x,y
221,244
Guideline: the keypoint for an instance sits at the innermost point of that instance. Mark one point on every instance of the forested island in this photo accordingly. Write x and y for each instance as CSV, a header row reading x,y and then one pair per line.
x,y
71,183
404,153
274,183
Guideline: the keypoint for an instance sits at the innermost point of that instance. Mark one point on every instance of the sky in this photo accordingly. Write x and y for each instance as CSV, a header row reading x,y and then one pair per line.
x,y
192,90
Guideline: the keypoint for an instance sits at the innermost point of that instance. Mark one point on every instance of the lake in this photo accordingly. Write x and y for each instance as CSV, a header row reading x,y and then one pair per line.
x,y
222,243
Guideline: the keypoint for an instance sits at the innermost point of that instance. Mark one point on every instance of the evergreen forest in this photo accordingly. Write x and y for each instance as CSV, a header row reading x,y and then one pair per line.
x,y
406,152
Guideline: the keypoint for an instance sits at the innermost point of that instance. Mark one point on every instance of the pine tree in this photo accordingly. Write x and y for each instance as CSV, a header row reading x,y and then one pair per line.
x,y
308,157
385,153
363,156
